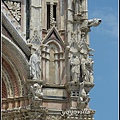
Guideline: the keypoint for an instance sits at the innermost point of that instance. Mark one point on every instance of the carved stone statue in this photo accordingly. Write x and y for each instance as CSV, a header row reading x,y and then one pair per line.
x,y
94,22
87,69
36,91
91,77
86,24
83,97
34,65
75,68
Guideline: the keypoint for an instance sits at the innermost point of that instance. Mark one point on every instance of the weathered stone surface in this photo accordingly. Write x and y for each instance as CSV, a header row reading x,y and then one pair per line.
x,y
49,74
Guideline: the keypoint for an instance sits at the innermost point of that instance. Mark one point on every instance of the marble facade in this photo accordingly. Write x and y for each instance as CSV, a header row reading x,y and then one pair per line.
x,y
47,65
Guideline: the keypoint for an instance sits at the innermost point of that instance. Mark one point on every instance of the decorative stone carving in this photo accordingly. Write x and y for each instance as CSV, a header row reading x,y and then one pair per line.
x,y
37,115
73,36
80,65
34,64
84,47
86,24
94,22
35,112
35,39
53,117
75,68
91,77
79,46
74,46
77,5
14,8
51,13
53,23
25,114
87,69
88,86
83,97
36,90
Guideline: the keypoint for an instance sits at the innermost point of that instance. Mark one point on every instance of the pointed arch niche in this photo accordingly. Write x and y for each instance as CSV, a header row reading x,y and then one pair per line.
x,y
53,62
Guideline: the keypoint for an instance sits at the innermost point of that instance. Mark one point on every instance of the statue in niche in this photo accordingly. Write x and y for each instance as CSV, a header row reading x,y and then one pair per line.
x,y
77,6
34,64
87,69
75,68
36,90
83,98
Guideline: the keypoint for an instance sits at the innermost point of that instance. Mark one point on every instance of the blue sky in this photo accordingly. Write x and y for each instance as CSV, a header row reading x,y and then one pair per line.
x,y
104,40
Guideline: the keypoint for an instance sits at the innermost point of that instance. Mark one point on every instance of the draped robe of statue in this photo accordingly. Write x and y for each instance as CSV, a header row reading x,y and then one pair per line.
x,y
34,64
87,69
75,68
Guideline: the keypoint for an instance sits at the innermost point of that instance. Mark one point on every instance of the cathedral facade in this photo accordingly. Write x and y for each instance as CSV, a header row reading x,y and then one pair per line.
x,y
47,65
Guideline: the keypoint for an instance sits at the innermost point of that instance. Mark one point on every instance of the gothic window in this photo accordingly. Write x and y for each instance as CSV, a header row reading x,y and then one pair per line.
x,y
27,19
54,11
51,13
48,16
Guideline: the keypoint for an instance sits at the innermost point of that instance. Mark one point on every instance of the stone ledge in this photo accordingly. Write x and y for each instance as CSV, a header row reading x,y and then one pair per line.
x,y
61,86
74,85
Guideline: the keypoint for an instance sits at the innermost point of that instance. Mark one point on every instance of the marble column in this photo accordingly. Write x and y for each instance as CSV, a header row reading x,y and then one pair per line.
x,y
10,103
51,12
43,65
4,104
26,101
61,67
56,69
69,31
62,6
22,102
85,9
47,67
23,20
44,14
17,102
36,19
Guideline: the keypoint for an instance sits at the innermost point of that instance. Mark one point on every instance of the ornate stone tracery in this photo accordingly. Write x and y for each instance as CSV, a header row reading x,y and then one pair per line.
x,y
14,8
